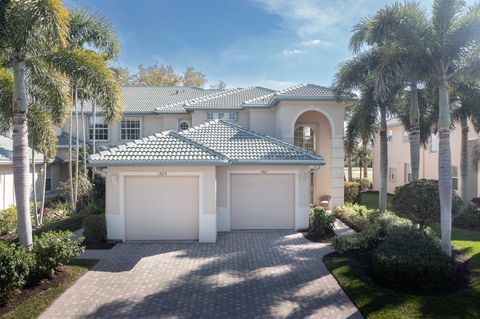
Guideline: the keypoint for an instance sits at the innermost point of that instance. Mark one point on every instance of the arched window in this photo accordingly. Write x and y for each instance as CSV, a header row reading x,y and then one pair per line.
x,y
304,137
183,125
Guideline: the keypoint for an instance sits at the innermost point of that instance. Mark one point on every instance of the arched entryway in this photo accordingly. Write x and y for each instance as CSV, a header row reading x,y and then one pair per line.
x,y
313,132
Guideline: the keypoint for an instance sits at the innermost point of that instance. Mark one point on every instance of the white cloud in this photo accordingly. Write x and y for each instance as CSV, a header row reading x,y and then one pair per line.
x,y
292,52
313,43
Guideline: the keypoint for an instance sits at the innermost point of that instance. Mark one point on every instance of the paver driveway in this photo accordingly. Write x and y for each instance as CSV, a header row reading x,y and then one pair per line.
x,y
244,275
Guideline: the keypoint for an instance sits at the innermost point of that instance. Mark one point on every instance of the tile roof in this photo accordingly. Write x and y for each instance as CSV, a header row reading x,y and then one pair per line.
x,y
212,143
6,152
147,98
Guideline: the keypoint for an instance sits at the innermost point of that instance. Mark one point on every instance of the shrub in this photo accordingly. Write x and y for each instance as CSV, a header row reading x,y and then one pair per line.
x,y
321,222
469,218
95,208
8,221
354,215
352,192
364,240
53,249
56,211
411,260
364,183
95,229
15,264
418,201
71,223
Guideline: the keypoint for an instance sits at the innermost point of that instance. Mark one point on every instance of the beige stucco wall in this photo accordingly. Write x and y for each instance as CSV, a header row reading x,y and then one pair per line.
x,y
399,155
207,219
7,189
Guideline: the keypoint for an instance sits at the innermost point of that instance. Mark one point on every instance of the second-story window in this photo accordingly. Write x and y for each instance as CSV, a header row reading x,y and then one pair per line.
x,y
231,116
210,116
390,135
406,137
100,128
130,128
304,137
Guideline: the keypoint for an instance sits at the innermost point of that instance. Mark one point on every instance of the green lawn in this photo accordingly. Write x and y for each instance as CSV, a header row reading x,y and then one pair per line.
x,y
356,172
378,302
371,201
35,305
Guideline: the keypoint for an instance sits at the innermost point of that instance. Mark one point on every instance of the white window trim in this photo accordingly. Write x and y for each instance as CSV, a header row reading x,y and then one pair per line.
x,y
297,208
109,127
121,199
226,116
139,118
390,179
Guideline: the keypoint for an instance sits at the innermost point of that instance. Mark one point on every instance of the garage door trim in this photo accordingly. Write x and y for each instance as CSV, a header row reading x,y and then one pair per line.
x,y
121,192
269,172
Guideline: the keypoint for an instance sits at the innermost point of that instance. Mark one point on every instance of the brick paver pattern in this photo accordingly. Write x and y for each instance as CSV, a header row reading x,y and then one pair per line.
x,y
244,275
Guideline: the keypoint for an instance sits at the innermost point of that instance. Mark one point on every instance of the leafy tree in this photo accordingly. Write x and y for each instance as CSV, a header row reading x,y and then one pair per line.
x,y
220,86
157,75
191,77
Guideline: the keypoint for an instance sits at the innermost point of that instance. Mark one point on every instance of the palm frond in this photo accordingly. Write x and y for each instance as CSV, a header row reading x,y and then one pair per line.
x,y
41,131
6,97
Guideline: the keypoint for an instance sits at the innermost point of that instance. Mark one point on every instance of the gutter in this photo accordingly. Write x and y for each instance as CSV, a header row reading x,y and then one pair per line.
x,y
158,163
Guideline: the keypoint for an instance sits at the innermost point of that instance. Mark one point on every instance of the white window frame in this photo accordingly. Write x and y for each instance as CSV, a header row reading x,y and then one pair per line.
x,y
232,116
406,137
140,128
210,116
303,141
390,135
407,173
226,116
392,174
433,143
91,130
220,115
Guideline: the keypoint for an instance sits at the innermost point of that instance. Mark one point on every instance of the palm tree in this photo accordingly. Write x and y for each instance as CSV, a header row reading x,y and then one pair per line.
x,y
404,26
466,107
33,38
453,48
357,74
29,31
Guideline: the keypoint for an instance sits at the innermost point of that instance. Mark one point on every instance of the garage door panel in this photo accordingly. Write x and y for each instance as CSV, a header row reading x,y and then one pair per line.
x,y
161,207
262,201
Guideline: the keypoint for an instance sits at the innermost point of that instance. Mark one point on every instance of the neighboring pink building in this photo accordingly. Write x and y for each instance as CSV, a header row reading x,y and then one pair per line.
x,y
399,170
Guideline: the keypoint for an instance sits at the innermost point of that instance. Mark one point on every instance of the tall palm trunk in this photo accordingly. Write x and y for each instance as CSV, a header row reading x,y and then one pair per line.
x,y
77,150
382,199
94,140
35,204
365,159
20,155
464,162
84,142
349,163
70,155
445,167
44,188
414,134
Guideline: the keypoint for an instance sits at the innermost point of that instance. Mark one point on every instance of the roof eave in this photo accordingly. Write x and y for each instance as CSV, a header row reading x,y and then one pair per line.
x,y
280,162
157,163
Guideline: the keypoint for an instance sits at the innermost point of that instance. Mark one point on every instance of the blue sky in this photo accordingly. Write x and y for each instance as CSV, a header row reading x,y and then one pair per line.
x,y
271,43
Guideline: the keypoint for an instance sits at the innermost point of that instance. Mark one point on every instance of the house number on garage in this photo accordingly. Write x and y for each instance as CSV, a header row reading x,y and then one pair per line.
x,y
265,172
162,173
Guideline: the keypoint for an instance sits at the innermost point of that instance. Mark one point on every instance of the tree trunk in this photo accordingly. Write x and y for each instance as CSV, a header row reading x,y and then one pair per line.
x,y
84,142
349,163
35,204
77,151
365,159
70,155
44,187
445,167
414,134
464,161
382,199
21,175
94,146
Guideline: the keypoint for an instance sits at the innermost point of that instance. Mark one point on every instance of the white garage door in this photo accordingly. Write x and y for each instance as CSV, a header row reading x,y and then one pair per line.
x,y
161,207
262,201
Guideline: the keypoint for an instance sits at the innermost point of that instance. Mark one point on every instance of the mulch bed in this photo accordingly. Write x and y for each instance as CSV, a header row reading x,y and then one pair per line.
x,y
326,238
100,246
34,289
461,281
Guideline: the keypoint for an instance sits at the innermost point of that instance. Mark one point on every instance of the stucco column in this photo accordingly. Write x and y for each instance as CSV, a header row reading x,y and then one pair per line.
x,y
337,171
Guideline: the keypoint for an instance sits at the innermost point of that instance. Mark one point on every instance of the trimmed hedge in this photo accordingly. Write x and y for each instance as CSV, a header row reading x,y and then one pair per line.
x,y
410,260
353,192
95,229
321,222
71,223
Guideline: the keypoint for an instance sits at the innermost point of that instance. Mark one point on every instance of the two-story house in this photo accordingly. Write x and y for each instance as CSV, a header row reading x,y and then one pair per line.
x,y
399,168
184,162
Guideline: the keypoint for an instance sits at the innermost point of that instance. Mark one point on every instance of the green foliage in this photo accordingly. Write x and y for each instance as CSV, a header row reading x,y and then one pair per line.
x,y
95,208
321,222
367,239
15,264
468,218
56,211
364,183
409,259
95,229
8,221
352,192
53,249
354,215
41,132
418,201
85,188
